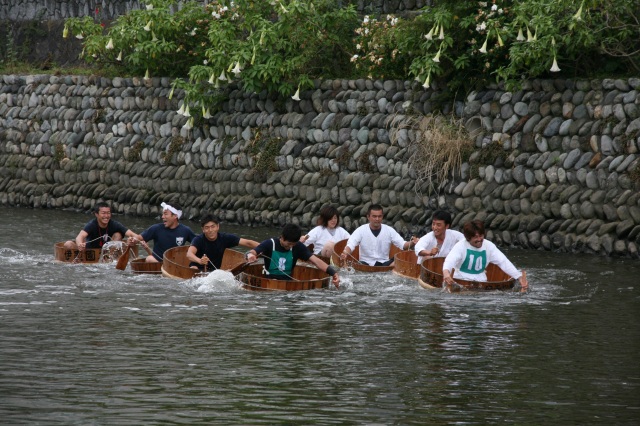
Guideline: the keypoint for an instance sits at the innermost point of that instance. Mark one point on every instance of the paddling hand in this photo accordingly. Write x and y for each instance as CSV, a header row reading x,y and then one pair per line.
x,y
524,283
304,238
434,251
447,277
82,246
251,257
335,279
204,260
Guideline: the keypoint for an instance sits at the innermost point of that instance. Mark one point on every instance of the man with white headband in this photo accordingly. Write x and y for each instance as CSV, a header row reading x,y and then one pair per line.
x,y
170,233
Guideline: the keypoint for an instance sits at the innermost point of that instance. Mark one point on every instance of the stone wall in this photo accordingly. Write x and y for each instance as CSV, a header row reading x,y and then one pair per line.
x,y
565,176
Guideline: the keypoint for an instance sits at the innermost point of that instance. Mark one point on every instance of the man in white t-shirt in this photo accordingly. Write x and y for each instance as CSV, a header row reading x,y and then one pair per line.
x,y
469,258
375,239
441,239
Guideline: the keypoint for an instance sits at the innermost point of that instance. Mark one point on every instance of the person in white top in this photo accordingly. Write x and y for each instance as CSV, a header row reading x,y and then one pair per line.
x,y
327,233
441,239
375,239
469,258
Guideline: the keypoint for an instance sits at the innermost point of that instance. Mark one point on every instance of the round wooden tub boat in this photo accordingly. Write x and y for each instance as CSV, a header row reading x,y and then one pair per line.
x,y
353,260
406,264
141,266
305,278
110,253
431,278
176,265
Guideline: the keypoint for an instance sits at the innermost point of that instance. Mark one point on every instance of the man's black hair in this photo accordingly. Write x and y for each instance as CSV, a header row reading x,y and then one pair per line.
x,y
291,233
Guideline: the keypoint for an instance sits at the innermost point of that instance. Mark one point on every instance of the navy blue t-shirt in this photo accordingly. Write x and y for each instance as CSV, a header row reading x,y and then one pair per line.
x,y
98,236
164,238
299,251
213,249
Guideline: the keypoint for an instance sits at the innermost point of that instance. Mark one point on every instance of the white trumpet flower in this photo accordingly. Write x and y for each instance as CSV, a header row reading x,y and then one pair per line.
x,y
520,35
222,77
146,75
119,57
236,70
296,96
578,15
554,66
148,26
483,49
109,45
427,81
189,124
529,36
429,35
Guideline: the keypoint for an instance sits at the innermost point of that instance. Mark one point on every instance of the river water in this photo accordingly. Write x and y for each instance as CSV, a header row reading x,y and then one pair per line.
x,y
87,344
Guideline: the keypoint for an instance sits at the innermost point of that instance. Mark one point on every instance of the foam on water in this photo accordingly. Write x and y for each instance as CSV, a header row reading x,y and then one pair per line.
x,y
217,281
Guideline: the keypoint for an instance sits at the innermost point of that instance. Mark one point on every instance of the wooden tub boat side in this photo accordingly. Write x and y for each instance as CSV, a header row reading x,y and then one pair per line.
x,y
306,278
431,278
176,265
353,259
141,266
406,264
62,254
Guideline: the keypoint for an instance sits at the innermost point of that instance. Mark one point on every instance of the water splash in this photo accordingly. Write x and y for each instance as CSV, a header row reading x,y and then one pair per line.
x,y
215,282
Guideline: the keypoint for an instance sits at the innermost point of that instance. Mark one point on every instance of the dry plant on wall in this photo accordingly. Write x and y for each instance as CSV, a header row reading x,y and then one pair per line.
x,y
440,145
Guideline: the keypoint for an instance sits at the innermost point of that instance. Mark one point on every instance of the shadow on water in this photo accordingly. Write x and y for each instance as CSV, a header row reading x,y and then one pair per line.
x,y
89,344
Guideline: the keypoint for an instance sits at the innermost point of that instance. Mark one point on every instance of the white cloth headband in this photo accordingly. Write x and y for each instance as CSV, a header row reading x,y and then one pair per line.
x,y
172,209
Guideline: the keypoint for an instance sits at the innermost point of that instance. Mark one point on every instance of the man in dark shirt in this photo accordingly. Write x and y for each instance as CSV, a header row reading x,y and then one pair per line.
x,y
207,249
99,231
281,255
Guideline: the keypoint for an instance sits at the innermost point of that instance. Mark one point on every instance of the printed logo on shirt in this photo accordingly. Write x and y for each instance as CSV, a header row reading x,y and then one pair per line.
x,y
179,240
475,262
282,263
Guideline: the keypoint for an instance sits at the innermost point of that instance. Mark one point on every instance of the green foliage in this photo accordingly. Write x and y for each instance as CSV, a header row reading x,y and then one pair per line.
x,y
282,45
264,149
58,152
275,45
471,44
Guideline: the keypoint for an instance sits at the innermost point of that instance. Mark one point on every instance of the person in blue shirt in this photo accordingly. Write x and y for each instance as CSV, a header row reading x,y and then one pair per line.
x,y
207,249
281,255
168,234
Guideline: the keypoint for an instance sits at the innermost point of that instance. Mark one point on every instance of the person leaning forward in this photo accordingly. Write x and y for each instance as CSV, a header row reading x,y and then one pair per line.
x,y
375,239
207,249
99,230
441,239
470,257
281,255
168,234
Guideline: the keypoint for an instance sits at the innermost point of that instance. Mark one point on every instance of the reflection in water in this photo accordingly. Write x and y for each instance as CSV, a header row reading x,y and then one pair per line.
x,y
89,344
